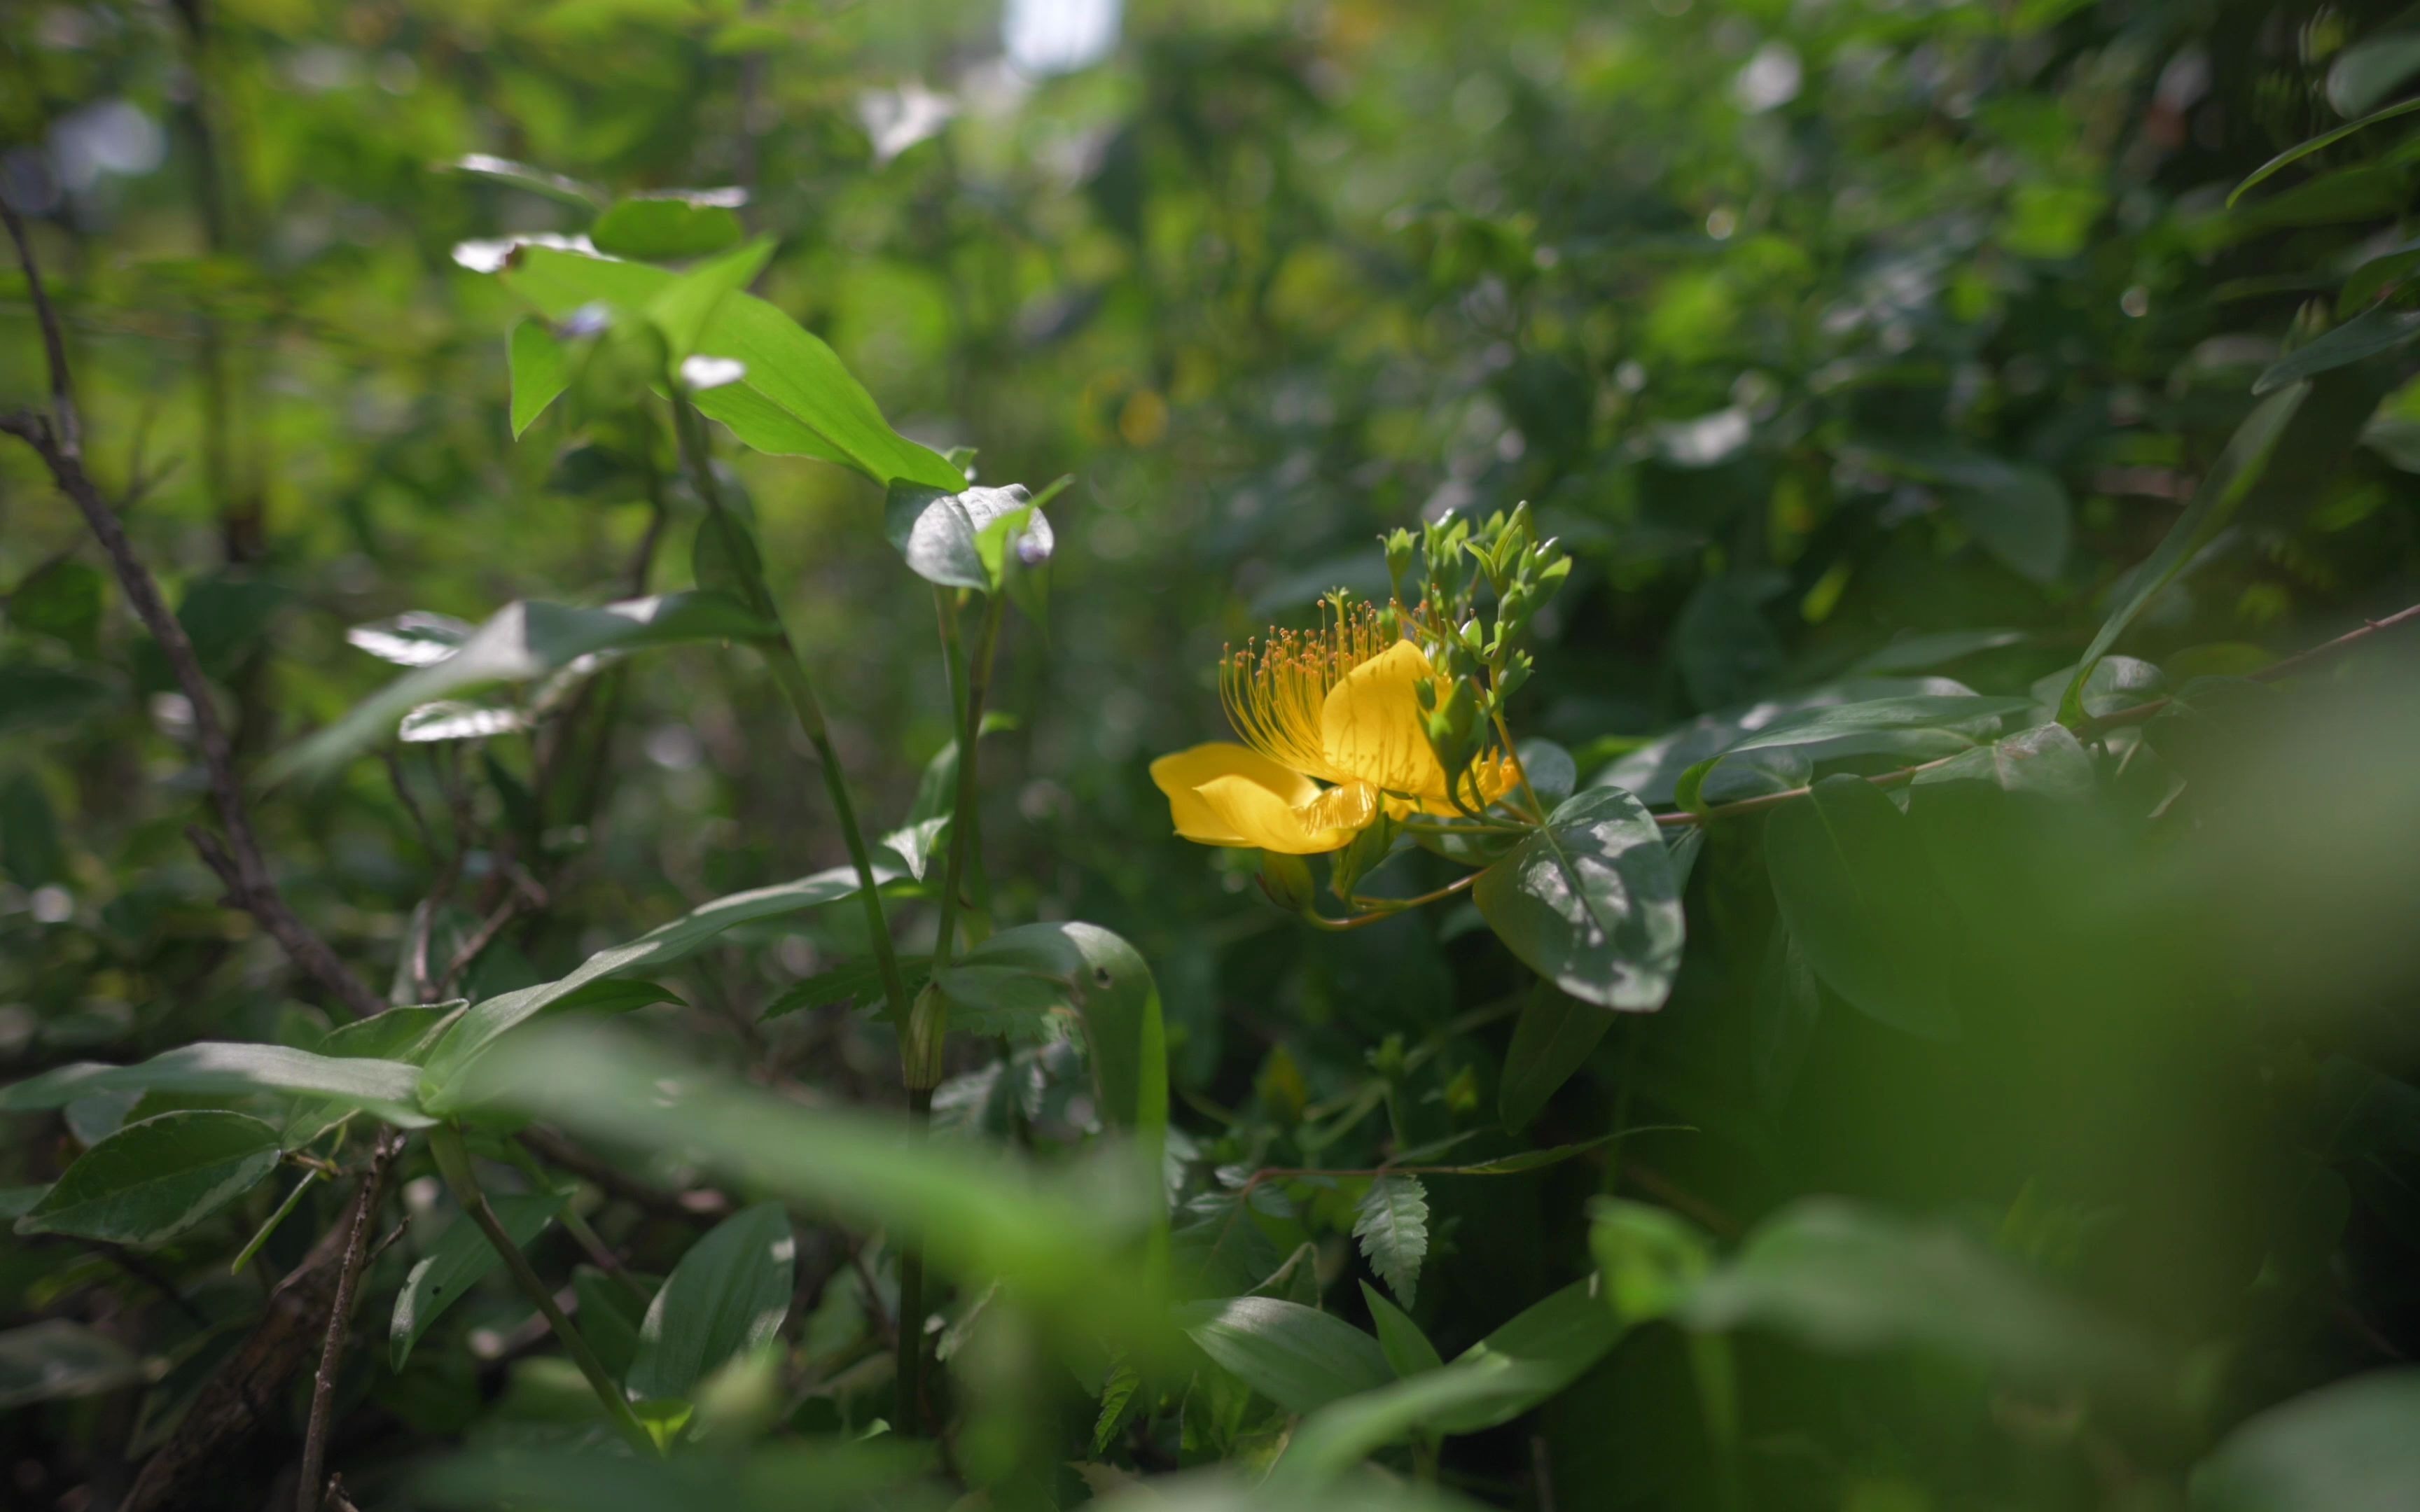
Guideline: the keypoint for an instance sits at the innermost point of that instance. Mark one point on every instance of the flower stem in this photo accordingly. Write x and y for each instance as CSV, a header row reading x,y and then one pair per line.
x,y
454,1164
798,690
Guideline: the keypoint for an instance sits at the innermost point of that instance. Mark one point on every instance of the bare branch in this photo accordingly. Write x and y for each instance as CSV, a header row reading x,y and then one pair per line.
x,y
308,1493
58,438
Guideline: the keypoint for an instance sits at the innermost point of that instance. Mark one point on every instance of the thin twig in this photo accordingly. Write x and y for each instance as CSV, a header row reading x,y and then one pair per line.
x,y
307,1491
57,437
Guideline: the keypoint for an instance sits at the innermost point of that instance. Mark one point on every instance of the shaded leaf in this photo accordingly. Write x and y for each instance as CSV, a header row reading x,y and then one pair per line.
x,y
154,1179
2353,1447
386,1087
460,1259
1589,901
1296,1356
728,1294
1393,1224
1858,899
1551,1039
665,227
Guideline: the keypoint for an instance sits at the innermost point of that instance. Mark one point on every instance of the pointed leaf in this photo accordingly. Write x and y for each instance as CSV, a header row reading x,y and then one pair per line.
x,y
459,1259
1589,901
153,1180
728,1294
386,1087
1296,1356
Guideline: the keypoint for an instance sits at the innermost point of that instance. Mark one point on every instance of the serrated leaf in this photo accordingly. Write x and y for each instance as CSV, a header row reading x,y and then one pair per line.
x,y
1119,1401
1393,1224
459,1259
1587,901
728,1294
154,1179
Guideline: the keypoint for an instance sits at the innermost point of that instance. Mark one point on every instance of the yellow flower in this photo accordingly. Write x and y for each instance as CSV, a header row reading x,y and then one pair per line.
x,y
1341,706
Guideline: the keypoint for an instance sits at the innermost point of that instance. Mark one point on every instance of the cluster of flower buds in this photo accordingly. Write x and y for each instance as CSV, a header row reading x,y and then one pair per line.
x,y
1478,590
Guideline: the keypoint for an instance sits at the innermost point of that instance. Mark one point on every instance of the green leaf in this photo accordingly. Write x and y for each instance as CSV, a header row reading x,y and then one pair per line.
x,y
460,1259
1725,652
1920,652
609,1318
855,982
683,310
1119,1402
526,640
385,1087
1297,1357
490,1021
1550,1345
728,1294
1340,1435
1063,1248
2046,759
412,638
2215,503
1393,1224
667,227
29,833
1589,901
46,1361
521,176
1652,1258
1782,1016
534,362
2364,335
153,1180
1844,1279
2353,1447
46,699
1552,1039
2375,277
1939,719
63,601
2302,150
823,1474
1109,986
2020,513
938,533
1858,898
1407,1350
796,400
2368,71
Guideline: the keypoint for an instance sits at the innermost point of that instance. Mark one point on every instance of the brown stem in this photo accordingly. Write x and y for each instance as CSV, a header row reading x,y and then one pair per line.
x,y
58,438
309,1490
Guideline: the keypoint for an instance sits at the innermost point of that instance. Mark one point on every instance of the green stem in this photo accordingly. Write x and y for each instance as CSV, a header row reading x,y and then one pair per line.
x,y
964,825
910,1327
454,1164
790,676
1710,1364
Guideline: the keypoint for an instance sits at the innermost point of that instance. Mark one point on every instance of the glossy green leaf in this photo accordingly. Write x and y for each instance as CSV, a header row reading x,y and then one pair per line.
x,y
523,642
1858,897
2046,759
2326,139
1552,1039
797,398
522,176
727,1295
939,533
2353,1447
1297,1357
1392,1225
386,1087
154,1179
538,371
2364,335
666,227
1340,1435
1589,901
684,309
490,1021
2224,487
459,1259
1951,720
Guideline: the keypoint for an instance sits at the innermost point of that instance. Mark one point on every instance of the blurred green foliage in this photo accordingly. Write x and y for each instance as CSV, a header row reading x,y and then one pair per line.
x,y
2040,1131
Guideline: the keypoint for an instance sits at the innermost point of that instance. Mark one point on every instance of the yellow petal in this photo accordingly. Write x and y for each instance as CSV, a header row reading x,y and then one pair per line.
x,y
1487,780
1372,728
1262,817
1179,774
